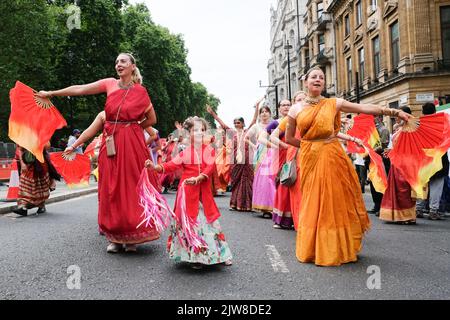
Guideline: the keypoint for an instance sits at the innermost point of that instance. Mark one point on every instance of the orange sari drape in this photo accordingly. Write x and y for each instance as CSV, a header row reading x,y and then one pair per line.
x,y
333,217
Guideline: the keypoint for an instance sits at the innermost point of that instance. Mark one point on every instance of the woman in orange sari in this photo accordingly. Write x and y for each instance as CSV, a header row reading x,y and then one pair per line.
x,y
333,216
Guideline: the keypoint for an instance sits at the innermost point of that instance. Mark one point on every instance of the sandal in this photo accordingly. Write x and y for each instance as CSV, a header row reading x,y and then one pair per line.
x,y
41,210
228,262
21,211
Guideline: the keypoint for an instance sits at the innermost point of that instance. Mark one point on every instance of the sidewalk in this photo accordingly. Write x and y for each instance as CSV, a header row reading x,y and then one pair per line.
x,y
61,193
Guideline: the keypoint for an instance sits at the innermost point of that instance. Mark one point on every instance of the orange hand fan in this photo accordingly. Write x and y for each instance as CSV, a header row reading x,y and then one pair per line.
x,y
364,128
419,147
75,168
377,172
90,149
33,120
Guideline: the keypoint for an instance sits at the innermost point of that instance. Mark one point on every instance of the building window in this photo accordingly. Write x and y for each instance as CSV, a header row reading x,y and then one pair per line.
x,y
358,13
395,45
319,11
361,65
347,25
280,60
294,82
349,73
292,38
376,56
373,5
307,59
445,29
321,43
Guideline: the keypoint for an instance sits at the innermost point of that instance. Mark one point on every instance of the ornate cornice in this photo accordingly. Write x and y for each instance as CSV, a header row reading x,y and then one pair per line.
x,y
389,8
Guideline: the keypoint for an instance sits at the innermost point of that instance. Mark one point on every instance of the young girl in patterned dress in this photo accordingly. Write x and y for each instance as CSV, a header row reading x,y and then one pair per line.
x,y
195,202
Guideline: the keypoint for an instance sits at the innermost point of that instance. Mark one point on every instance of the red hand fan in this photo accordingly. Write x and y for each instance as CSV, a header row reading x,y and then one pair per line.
x,y
75,168
419,147
33,120
90,149
377,172
363,128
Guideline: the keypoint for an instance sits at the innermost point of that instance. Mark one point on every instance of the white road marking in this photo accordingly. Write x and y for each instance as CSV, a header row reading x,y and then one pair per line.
x,y
278,264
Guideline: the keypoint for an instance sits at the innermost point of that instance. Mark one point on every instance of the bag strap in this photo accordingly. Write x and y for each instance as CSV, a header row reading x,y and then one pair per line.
x,y
118,111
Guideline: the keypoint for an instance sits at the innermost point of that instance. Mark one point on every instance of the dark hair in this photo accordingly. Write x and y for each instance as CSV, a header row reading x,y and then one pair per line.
x,y
428,108
406,109
240,119
279,103
265,108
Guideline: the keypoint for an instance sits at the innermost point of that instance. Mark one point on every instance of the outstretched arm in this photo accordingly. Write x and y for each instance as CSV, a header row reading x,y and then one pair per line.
x,y
350,107
255,115
216,117
347,137
274,138
90,132
77,90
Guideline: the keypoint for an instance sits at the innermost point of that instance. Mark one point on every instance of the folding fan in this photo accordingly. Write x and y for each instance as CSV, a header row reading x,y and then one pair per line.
x,y
364,128
33,120
75,168
419,147
377,172
90,149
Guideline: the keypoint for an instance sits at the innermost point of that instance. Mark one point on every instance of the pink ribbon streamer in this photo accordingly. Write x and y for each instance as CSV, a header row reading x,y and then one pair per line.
x,y
157,212
191,237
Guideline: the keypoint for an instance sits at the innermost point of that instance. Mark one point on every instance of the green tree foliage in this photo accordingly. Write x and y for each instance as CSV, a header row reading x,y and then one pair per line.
x,y
39,49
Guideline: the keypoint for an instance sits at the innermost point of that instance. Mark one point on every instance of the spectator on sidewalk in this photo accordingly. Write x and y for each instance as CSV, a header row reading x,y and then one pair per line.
x,y
436,183
75,135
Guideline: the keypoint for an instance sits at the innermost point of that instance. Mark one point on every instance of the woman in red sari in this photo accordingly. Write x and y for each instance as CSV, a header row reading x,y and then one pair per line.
x,y
242,168
127,104
397,205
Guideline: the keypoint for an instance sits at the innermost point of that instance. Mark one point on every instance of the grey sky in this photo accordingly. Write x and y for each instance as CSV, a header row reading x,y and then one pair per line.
x,y
228,43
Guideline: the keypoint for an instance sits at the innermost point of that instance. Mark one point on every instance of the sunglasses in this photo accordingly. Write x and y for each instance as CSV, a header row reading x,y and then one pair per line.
x,y
237,122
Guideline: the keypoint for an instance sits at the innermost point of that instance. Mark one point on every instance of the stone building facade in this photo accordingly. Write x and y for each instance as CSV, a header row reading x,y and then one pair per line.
x,y
392,52
318,44
285,34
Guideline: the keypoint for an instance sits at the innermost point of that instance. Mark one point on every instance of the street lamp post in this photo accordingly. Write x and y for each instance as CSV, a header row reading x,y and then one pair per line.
x,y
276,95
357,87
288,47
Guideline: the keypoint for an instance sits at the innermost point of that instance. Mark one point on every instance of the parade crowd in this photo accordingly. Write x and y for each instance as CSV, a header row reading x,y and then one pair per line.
x,y
295,170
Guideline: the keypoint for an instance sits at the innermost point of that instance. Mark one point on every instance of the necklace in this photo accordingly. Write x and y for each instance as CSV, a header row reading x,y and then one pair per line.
x,y
313,100
128,86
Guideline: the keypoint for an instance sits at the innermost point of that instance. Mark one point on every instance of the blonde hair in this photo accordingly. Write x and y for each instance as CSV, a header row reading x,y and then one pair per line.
x,y
136,76
311,70
190,122
297,94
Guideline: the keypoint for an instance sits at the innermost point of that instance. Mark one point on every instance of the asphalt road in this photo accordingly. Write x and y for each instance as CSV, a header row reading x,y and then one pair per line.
x,y
36,252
